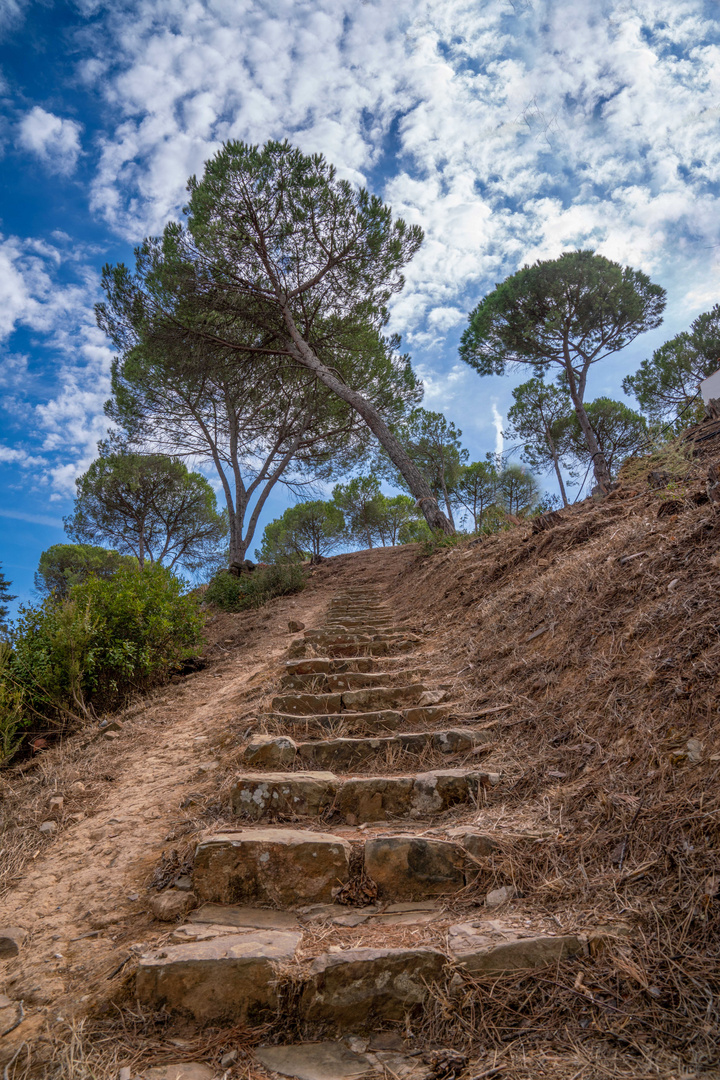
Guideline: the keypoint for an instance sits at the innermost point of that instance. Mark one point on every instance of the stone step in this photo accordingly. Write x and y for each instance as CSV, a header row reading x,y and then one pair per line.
x,y
272,795
280,867
354,648
339,724
347,637
225,978
248,975
290,868
282,752
365,700
327,665
349,680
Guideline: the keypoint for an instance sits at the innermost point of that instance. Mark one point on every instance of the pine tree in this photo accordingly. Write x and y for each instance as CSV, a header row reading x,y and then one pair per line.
x,y
5,597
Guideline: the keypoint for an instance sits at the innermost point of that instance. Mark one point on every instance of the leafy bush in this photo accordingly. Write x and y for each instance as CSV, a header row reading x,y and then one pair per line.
x,y
92,649
253,590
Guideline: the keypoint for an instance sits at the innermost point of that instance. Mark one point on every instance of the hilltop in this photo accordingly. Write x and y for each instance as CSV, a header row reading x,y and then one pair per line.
x,y
581,651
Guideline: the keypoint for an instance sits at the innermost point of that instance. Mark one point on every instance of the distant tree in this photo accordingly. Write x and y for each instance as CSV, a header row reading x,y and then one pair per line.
x,y
541,418
620,432
477,489
65,565
432,442
148,506
518,490
310,529
5,598
571,312
397,517
667,383
360,501
280,258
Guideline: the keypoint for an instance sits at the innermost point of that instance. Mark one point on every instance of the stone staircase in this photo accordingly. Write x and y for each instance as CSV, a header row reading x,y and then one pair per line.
x,y
327,904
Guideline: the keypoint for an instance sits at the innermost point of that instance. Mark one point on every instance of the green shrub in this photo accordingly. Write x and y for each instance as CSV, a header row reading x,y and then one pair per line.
x,y
91,650
253,590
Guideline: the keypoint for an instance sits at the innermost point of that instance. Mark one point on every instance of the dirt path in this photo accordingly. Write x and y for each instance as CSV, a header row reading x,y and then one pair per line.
x,y
82,896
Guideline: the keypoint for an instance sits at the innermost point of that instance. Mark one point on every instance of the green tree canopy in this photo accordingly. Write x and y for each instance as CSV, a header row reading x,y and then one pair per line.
x,y
620,432
65,565
148,506
518,490
477,490
666,384
542,418
308,529
5,598
360,501
279,258
432,442
570,312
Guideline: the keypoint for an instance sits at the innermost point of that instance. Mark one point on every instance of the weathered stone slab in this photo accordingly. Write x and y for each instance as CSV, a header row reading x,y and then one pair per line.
x,y
315,665
270,866
375,798
431,714
249,918
531,952
457,741
359,680
269,751
358,985
381,721
258,795
314,1061
413,868
223,978
342,753
478,844
181,1070
381,697
307,704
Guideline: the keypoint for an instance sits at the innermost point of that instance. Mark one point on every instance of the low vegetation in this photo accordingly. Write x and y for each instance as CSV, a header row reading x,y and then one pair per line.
x,y
231,593
72,655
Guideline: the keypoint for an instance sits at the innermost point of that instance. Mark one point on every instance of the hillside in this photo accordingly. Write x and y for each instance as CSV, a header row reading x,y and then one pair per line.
x,y
580,659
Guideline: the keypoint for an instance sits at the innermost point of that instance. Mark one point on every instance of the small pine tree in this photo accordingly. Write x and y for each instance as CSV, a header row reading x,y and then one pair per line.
x,y
5,597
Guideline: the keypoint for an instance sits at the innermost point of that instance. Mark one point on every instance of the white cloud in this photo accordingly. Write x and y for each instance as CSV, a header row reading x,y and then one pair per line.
x,y
498,425
34,519
56,141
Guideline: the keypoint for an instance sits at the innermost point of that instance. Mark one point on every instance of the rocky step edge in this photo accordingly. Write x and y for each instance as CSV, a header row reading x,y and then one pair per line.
x,y
275,752
284,867
355,800
369,698
352,646
335,682
362,723
337,665
255,976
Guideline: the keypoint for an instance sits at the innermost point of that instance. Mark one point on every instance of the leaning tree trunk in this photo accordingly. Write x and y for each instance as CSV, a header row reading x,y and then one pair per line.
x,y
600,466
412,476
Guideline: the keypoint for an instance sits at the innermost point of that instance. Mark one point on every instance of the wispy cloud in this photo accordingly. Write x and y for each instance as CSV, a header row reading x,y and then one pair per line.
x,y
33,519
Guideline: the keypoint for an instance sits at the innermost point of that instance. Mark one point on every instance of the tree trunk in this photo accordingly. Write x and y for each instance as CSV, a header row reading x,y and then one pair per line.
x,y
600,468
451,519
414,479
141,548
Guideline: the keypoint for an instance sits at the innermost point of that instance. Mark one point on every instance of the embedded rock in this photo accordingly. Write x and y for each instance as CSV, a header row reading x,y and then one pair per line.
x,y
358,985
412,868
223,978
270,866
381,697
307,704
530,952
269,752
171,904
11,939
257,795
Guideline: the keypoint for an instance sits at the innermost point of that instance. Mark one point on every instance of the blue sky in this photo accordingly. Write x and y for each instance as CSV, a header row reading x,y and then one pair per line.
x,y
509,129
